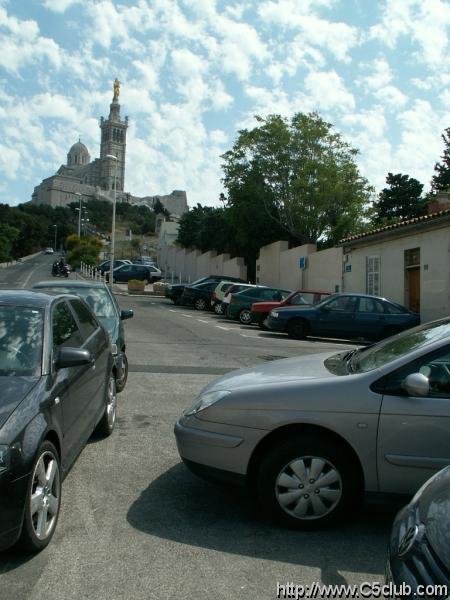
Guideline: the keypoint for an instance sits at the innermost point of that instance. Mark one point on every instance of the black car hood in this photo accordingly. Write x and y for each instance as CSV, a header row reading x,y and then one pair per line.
x,y
434,511
13,391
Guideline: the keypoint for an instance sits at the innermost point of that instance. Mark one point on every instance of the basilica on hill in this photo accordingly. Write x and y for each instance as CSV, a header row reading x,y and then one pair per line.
x,y
84,179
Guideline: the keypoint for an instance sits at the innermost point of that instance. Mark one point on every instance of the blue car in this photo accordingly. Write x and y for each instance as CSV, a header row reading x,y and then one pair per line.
x,y
344,316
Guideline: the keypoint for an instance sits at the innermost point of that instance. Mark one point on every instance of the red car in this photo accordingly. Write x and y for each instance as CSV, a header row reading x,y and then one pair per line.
x,y
261,310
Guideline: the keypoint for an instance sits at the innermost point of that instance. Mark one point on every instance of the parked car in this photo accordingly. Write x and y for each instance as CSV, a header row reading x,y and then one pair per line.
x,y
344,316
198,295
104,266
241,302
419,549
260,310
102,302
310,434
234,289
51,402
124,273
174,291
218,294
49,250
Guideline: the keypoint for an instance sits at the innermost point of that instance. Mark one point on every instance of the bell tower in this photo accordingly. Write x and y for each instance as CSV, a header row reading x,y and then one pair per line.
x,y
113,142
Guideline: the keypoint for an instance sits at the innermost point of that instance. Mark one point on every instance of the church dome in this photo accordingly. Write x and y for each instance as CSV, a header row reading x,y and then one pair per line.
x,y
78,155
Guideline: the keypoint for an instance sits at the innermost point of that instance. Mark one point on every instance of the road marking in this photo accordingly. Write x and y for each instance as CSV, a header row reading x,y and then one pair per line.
x,y
27,279
224,328
203,321
172,310
187,316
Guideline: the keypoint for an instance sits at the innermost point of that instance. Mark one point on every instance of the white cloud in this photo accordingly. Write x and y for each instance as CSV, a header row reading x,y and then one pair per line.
x,y
9,161
59,6
328,91
21,44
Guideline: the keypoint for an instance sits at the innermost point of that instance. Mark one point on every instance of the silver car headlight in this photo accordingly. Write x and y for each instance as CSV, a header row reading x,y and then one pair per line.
x,y
205,400
4,457
274,314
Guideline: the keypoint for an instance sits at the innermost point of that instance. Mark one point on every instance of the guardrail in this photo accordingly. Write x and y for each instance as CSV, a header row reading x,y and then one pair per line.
x,y
90,272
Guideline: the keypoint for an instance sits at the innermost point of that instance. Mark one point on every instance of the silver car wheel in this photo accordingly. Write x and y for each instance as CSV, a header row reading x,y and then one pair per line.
x,y
245,317
308,487
45,495
218,309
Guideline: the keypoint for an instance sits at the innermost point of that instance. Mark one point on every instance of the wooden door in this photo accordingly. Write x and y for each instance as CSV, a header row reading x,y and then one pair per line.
x,y
414,289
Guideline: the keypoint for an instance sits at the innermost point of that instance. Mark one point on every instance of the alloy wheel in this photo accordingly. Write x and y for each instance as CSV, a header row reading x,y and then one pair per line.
x,y
308,487
45,495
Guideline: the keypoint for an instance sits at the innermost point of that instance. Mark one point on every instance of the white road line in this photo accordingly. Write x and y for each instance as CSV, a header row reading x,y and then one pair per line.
x,y
187,316
172,310
27,279
224,328
203,321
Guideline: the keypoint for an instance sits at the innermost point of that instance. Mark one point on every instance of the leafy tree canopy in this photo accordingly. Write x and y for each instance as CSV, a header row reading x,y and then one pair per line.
x,y
441,180
401,200
309,182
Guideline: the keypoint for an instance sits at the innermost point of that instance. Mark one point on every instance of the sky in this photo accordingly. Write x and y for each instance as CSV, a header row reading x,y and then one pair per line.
x,y
195,72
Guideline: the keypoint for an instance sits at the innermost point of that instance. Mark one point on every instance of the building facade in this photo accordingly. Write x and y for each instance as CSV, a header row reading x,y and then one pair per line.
x,y
97,179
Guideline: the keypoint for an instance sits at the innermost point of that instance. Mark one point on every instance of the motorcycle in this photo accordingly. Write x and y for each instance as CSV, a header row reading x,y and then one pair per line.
x,y
59,270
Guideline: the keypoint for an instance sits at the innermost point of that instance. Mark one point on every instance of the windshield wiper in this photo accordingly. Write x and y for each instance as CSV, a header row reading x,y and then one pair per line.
x,y
349,359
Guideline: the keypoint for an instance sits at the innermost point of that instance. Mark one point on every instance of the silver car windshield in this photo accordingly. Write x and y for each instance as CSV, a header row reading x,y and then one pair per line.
x,y
97,299
397,346
21,335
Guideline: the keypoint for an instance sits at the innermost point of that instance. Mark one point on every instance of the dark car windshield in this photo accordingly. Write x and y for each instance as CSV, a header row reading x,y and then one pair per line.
x,y
397,346
21,335
98,299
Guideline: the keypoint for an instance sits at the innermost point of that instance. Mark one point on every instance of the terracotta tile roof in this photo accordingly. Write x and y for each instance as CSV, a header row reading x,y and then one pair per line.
x,y
398,225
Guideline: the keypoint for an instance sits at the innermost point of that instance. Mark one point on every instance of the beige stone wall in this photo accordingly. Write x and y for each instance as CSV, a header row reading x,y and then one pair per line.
x,y
324,271
268,263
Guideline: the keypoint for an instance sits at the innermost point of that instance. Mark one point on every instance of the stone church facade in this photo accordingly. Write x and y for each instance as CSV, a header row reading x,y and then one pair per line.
x,y
84,179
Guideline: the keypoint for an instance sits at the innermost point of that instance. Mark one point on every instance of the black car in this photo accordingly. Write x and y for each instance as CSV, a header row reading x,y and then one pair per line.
x,y
344,316
175,290
58,386
104,266
104,305
198,295
419,549
124,273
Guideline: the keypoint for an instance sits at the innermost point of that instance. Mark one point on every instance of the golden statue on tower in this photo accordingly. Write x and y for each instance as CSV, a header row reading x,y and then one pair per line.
x,y
116,89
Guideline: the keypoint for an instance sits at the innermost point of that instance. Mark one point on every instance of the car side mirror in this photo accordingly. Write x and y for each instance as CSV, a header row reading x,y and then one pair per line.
x,y
416,384
72,357
126,314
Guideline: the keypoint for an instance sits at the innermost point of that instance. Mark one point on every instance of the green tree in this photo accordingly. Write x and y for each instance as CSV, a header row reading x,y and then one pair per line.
x,y
205,228
401,200
314,190
8,236
441,180
86,249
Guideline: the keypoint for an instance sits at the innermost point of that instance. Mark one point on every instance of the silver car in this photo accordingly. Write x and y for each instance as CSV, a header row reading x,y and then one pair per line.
x,y
311,434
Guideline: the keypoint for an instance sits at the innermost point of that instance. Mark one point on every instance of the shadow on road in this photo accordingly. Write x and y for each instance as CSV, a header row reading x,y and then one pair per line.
x,y
181,507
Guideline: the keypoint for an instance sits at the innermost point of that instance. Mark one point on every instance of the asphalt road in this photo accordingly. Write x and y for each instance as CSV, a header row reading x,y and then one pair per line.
x,y
136,524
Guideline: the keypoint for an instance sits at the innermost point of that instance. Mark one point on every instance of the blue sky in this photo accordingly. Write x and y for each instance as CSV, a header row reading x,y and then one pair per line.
x,y
194,72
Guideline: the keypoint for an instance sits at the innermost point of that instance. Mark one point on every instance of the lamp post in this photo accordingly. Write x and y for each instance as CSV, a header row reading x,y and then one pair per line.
x,y
79,213
56,229
113,232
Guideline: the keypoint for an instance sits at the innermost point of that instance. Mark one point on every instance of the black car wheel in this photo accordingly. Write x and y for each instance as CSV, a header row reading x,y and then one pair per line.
x,y
120,383
245,316
200,304
106,424
261,322
297,329
43,500
307,483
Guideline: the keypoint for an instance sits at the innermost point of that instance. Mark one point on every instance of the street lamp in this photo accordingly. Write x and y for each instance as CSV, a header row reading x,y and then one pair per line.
x,y
56,229
113,232
79,213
